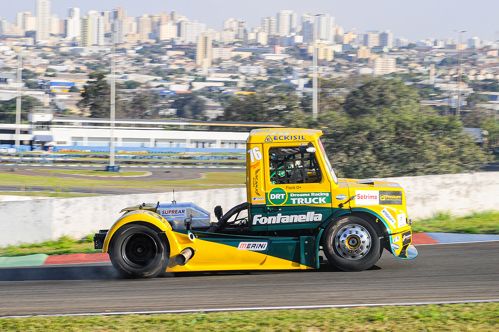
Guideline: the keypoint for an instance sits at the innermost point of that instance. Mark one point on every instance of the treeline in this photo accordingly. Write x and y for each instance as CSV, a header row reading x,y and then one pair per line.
x,y
375,127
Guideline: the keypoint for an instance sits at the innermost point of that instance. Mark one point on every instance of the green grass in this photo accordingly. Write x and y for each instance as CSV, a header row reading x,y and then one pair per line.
x,y
45,194
99,173
457,317
65,245
476,223
54,183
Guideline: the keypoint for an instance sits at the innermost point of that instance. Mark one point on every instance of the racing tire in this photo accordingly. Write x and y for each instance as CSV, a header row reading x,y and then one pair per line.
x,y
352,244
138,251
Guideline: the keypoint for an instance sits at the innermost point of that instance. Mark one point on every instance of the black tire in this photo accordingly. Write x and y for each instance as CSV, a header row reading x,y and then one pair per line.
x,y
137,251
365,250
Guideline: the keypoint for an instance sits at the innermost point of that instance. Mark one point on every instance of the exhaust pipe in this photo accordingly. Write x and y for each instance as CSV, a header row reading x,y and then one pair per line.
x,y
184,256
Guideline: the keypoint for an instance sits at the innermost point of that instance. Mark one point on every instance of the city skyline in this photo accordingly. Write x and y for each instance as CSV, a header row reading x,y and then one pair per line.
x,y
410,20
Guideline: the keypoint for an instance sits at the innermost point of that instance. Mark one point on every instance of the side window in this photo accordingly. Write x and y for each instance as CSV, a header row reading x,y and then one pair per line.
x,y
293,165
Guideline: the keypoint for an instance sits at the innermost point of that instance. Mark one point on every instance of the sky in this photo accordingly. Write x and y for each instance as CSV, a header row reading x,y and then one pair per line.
x,y
413,19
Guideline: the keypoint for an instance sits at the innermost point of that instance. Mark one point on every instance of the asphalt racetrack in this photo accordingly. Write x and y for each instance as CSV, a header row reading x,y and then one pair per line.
x,y
457,272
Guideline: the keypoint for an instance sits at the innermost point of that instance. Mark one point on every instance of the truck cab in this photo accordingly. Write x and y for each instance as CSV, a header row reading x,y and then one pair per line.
x,y
296,208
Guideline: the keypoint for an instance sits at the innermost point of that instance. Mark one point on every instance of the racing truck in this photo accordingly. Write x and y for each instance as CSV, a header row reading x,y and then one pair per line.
x,y
296,209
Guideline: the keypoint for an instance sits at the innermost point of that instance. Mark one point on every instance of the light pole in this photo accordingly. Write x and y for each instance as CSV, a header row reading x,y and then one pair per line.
x,y
315,92
112,153
459,71
19,99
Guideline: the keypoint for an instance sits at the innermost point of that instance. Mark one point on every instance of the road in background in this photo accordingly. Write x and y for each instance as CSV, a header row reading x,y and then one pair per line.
x,y
441,273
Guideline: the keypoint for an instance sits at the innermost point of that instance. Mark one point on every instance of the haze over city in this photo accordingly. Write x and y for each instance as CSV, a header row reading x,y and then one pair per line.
x,y
409,19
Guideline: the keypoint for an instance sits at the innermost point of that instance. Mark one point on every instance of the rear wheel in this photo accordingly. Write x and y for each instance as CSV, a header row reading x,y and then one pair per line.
x,y
352,244
138,251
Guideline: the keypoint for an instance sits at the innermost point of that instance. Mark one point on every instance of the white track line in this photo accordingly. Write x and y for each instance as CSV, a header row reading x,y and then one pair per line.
x,y
298,307
441,244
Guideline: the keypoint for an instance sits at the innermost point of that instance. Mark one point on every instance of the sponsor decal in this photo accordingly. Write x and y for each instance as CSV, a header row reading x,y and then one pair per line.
x,y
279,196
172,212
273,138
395,247
366,197
256,182
311,216
258,200
374,197
253,246
396,239
388,216
390,197
401,220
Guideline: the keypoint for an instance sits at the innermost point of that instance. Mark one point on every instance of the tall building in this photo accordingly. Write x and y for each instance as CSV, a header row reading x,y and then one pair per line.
x,y
307,28
188,31
92,29
386,39
371,39
26,21
144,27
325,27
204,51
167,31
269,25
73,24
284,21
43,20
384,66
474,43
56,28
118,25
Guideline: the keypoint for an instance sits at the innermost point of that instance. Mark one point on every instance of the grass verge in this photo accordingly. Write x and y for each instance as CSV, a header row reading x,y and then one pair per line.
x,y
52,194
476,223
89,172
455,317
207,181
65,245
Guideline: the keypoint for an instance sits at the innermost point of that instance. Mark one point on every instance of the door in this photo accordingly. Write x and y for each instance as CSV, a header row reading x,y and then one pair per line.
x,y
297,191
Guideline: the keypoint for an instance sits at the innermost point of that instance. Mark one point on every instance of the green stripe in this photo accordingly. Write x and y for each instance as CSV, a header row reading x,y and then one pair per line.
x,y
22,261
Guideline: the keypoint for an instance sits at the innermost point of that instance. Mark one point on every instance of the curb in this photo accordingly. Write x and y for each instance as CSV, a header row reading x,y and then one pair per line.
x,y
23,261
70,259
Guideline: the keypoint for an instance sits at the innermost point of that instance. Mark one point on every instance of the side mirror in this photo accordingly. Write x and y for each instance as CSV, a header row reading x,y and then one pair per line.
x,y
218,212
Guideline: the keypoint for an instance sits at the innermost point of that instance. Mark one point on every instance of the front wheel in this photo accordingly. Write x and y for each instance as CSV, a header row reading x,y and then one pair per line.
x,y
352,244
138,251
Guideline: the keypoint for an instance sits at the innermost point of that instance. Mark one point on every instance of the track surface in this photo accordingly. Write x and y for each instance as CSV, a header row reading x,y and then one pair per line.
x,y
441,273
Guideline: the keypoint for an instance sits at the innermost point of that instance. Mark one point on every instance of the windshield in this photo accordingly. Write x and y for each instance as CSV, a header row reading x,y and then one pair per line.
x,y
328,163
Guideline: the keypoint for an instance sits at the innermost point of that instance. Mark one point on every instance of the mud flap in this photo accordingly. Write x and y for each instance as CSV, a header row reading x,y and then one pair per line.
x,y
308,255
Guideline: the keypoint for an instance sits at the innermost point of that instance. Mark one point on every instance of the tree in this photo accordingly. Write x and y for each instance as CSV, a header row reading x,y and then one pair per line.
x,y
131,85
383,131
261,107
8,108
142,105
96,96
190,106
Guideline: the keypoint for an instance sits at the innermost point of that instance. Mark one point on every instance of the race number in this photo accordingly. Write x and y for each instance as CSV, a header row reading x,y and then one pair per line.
x,y
255,154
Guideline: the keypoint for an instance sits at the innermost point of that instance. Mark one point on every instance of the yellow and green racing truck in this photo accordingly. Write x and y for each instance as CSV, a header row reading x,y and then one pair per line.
x,y
296,207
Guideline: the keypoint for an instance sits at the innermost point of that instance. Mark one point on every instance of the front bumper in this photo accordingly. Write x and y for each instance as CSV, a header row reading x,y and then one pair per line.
x,y
401,245
99,238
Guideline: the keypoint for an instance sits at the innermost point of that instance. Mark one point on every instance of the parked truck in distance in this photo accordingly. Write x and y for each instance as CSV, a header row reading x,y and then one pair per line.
x,y
296,207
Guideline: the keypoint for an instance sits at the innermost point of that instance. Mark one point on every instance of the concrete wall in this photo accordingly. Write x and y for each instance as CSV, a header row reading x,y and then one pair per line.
x,y
40,220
